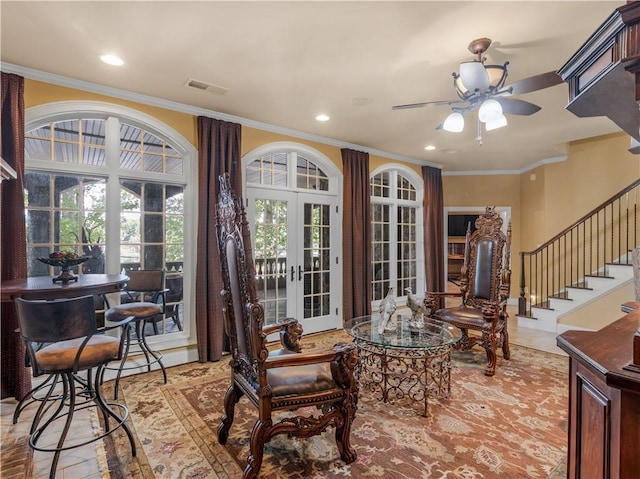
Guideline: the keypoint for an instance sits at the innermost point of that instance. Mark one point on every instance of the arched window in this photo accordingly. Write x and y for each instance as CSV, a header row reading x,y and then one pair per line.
x,y
396,231
110,183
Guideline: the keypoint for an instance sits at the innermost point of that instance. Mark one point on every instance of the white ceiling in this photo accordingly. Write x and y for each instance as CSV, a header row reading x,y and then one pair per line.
x,y
285,62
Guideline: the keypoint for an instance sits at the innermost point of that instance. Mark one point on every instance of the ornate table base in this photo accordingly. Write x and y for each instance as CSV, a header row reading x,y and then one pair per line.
x,y
396,373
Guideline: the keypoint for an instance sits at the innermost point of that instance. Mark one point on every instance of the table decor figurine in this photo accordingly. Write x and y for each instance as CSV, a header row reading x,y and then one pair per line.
x,y
64,260
418,311
387,308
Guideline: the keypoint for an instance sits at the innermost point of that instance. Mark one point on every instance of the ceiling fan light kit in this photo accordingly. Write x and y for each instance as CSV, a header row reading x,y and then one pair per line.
x,y
490,110
472,78
454,122
497,123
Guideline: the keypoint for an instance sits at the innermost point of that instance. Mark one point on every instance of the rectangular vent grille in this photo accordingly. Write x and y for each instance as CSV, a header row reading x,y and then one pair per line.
x,y
200,85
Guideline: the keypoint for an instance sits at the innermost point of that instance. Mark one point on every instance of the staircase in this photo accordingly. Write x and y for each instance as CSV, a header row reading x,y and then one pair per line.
x,y
548,316
585,263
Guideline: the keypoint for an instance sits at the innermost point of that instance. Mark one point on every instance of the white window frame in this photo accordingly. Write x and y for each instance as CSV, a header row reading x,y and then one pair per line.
x,y
395,169
38,116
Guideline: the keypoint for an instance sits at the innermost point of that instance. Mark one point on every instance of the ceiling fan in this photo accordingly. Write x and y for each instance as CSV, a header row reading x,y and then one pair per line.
x,y
481,87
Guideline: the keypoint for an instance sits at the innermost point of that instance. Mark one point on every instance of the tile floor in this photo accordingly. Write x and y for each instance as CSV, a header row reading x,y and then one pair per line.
x,y
19,461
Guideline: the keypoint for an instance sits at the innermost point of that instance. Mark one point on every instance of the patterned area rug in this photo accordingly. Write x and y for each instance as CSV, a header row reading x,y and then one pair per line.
x,y
511,426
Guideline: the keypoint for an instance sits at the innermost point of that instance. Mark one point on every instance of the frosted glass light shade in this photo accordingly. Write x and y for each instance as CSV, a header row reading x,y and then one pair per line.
x,y
497,123
490,110
473,76
454,122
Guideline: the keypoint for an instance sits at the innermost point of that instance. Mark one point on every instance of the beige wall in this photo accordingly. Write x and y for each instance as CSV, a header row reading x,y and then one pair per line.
x,y
490,190
595,170
559,194
555,195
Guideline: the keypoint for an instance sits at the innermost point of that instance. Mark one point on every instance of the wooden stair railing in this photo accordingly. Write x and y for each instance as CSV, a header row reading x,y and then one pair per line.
x,y
605,235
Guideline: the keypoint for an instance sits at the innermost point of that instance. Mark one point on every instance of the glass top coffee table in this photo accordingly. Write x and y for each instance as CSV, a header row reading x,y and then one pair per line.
x,y
412,360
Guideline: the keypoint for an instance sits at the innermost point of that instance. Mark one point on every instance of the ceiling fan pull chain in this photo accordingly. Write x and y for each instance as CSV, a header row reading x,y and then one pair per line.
x,y
479,137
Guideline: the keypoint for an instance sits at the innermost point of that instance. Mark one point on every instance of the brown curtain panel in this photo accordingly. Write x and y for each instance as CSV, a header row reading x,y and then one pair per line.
x,y
433,229
16,377
356,235
218,153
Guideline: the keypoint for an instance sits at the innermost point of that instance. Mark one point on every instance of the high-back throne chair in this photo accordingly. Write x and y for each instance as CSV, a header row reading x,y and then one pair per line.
x,y
279,380
484,288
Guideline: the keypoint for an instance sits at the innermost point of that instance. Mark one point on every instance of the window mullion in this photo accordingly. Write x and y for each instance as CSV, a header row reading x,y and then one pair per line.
x,y
112,161
292,167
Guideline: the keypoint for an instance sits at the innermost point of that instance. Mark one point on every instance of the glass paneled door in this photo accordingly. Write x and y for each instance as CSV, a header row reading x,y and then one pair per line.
x,y
295,257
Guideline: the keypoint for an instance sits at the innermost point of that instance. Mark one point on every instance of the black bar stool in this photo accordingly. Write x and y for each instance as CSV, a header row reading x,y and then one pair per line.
x,y
73,343
143,285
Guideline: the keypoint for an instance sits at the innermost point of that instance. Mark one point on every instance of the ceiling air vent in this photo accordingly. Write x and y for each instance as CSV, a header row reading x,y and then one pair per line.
x,y
200,85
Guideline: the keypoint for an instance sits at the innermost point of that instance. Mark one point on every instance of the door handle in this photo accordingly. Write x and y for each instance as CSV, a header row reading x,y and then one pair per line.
x,y
293,273
299,273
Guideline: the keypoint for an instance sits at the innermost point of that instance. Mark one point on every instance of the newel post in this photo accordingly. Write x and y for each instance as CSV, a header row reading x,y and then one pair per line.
x,y
522,301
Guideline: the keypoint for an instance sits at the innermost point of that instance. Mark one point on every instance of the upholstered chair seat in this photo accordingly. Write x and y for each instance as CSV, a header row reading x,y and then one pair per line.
x,y
296,380
137,310
62,356
462,316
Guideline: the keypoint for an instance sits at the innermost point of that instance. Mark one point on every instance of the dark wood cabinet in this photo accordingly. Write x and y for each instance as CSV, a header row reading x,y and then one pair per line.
x,y
604,401
604,74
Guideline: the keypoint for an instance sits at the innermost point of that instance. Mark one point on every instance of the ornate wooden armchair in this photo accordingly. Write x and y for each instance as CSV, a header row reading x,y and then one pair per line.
x,y
281,380
484,289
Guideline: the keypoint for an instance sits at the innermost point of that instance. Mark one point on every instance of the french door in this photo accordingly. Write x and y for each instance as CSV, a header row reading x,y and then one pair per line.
x,y
295,254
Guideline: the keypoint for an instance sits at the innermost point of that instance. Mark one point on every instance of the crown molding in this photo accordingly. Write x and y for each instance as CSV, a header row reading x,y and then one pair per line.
x,y
545,161
192,110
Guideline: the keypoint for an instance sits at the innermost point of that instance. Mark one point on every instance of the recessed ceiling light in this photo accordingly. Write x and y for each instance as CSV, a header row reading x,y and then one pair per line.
x,y
112,60
361,101
429,147
322,117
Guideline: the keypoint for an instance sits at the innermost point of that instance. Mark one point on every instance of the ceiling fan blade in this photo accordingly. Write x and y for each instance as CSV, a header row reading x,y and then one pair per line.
x,y
535,83
420,105
408,106
514,106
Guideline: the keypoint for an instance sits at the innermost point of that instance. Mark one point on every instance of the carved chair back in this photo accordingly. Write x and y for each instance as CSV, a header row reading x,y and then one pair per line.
x,y
487,252
243,314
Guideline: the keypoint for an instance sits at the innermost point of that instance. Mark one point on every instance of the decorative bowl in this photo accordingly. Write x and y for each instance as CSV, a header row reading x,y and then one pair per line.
x,y
66,264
